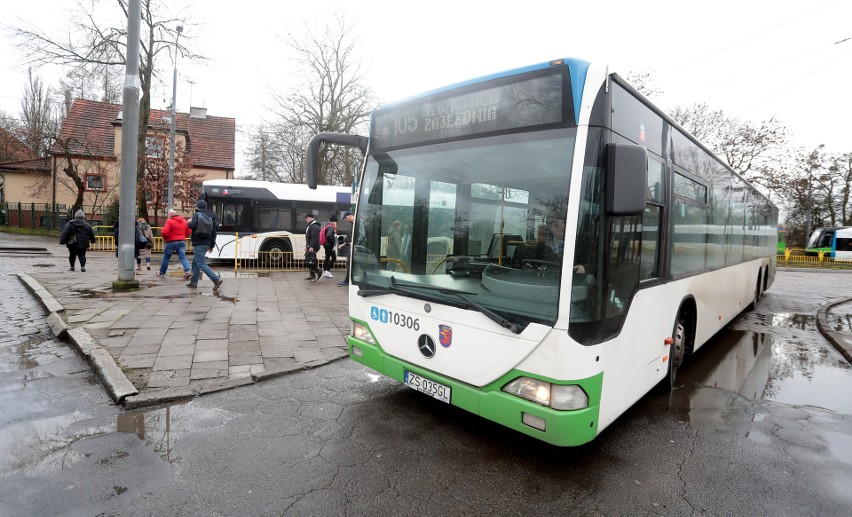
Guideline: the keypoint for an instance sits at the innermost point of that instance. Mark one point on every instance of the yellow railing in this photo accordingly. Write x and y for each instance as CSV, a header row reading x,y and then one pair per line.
x,y
793,257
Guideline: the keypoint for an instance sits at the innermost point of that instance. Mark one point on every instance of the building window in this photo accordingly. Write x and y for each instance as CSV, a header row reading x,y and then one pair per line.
x,y
154,147
95,182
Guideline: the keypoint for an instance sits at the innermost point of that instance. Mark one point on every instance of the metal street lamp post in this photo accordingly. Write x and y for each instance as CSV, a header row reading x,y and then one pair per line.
x,y
171,196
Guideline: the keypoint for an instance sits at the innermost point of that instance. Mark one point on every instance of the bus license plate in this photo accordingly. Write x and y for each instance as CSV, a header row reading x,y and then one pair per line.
x,y
424,385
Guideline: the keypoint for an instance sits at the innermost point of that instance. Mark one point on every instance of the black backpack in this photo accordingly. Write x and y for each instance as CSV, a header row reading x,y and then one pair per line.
x,y
204,225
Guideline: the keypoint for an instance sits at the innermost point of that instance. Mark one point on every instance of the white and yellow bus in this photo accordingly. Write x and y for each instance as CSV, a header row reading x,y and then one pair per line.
x,y
590,245
264,219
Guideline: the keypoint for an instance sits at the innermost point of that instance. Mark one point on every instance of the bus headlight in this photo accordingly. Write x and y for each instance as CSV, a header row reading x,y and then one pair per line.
x,y
360,331
541,392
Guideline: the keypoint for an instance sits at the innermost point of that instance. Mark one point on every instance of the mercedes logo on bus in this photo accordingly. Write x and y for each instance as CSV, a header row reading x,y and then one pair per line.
x,y
426,345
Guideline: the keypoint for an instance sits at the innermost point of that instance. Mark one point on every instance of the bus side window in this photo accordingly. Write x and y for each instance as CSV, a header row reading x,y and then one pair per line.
x,y
231,216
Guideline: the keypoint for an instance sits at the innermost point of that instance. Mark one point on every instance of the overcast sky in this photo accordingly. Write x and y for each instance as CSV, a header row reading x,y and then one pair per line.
x,y
753,59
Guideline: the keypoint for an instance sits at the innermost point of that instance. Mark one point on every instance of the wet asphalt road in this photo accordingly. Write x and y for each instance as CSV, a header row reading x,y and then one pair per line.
x,y
760,424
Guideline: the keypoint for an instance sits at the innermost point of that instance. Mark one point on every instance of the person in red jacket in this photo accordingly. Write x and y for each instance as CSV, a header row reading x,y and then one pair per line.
x,y
175,233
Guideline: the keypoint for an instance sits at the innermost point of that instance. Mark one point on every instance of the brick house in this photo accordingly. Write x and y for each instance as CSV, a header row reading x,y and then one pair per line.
x,y
90,139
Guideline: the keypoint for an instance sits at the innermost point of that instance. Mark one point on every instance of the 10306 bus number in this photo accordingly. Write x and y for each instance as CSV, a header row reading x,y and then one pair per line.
x,y
394,318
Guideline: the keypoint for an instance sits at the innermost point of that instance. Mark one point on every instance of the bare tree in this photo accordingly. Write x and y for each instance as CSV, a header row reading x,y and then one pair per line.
x,y
751,150
332,97
643,81
39,121
156,180
265,154
12,147
97,41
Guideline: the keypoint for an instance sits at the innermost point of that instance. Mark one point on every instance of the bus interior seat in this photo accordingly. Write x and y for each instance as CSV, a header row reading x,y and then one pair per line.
x,y
494,248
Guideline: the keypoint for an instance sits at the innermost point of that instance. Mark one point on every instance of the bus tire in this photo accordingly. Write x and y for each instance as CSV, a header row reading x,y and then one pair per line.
x,y
757,292
277,253
682,338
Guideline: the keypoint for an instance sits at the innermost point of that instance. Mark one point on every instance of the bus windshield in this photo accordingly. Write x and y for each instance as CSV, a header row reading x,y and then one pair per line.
x,y
484,217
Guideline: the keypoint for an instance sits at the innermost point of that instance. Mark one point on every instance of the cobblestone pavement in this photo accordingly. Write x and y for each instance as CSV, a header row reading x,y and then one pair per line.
x,y
173,342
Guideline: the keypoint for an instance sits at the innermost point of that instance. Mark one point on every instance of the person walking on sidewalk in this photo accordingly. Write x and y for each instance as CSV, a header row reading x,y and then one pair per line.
x,y
145,251
312,246
77,235
175,232
329,244
203,225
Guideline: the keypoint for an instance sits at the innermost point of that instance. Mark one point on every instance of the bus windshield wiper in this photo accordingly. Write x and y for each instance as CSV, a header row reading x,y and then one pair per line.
x,y
515,328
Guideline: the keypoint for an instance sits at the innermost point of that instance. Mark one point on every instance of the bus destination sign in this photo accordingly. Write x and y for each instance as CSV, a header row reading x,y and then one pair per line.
x,y
523,103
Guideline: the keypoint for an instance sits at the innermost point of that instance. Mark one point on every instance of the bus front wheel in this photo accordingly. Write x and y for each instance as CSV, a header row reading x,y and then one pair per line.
x,y
276,253
682,336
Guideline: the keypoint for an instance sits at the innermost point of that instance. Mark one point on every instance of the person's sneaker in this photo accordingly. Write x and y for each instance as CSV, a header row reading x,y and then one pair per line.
x,y
149,268
190,284
158,273
187,275
310,279
343,284
327,274
71,268
83,269
217,284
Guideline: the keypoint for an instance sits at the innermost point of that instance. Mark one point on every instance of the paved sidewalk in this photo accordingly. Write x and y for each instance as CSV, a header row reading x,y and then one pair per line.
x,y
173,342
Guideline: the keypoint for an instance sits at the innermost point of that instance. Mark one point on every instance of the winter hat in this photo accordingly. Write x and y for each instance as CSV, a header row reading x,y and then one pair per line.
x,y
172,213
332,218
79,215
310,216
201,204
346,214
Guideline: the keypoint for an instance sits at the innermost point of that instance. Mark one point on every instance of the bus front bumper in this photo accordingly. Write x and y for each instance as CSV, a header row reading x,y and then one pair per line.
x,y
561,428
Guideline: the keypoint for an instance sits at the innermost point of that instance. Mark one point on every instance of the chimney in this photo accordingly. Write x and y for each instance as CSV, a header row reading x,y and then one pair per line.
x,y
197,112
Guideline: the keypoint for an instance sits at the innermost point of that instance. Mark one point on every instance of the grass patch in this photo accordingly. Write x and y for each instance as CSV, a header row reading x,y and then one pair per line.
x,y
29,231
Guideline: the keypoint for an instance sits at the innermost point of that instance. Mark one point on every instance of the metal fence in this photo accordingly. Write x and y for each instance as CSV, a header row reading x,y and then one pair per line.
x,y
46,216
793,257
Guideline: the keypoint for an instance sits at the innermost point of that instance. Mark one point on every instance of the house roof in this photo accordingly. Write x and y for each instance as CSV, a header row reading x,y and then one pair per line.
x,y
89,130
31,165
12,148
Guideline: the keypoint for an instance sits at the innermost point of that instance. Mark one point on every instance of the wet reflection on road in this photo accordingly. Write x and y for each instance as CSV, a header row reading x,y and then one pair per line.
x,y
163,427
760,366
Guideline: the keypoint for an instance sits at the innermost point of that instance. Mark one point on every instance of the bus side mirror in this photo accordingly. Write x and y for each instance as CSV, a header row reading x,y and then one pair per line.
x,y
312,154
626,179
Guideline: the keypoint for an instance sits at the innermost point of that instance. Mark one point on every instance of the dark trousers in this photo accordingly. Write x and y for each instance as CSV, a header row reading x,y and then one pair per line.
x,y
75,253
330,258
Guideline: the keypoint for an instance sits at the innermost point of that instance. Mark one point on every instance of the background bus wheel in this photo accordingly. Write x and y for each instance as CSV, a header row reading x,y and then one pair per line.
x,y
277,253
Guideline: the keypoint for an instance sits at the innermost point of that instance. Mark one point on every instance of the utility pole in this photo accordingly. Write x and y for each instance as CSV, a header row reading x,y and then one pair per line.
x,y
129,151
171,196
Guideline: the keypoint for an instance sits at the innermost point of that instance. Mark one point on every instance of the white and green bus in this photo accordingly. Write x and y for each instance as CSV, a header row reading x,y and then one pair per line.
x,y
544,246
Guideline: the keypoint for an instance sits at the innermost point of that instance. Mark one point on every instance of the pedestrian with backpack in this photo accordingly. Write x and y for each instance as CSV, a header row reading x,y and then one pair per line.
x,y
312,246
76,235
328,241
203,225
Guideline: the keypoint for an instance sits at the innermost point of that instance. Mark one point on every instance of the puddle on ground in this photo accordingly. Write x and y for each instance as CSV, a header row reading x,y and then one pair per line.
x,y
758,366
164,427
27,354
839,322
788,320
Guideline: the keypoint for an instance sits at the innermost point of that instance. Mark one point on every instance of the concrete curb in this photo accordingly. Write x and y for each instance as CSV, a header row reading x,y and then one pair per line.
x,y
835,338
117,385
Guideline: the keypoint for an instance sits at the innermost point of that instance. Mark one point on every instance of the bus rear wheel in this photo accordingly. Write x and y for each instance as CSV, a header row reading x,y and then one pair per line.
x,y
276,254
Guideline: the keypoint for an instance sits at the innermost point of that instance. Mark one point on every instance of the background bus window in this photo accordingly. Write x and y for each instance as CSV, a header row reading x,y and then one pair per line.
x,y
232,217
272,218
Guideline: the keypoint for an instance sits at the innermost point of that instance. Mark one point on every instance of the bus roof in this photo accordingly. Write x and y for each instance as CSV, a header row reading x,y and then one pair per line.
x,y
271,190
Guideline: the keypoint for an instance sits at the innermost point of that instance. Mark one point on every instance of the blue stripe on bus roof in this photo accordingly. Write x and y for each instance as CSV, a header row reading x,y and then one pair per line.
x,y
577,70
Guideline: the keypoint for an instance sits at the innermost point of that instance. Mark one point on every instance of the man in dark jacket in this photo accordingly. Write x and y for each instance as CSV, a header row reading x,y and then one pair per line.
x,y
312,245
203,225
76,235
